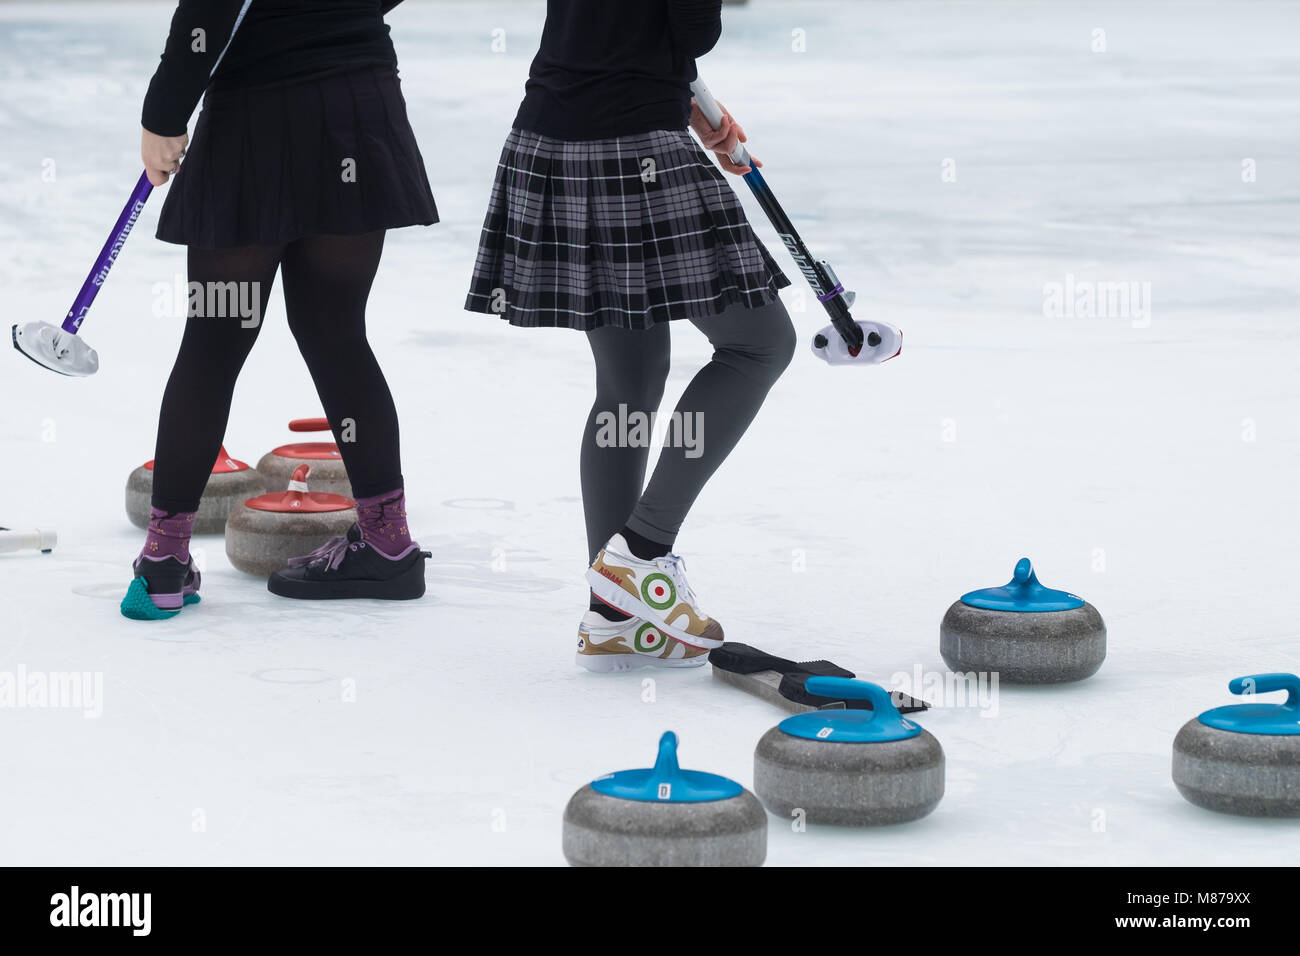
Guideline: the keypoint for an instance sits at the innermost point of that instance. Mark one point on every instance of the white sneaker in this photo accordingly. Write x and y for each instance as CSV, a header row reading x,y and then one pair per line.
x,y
606,646
655,590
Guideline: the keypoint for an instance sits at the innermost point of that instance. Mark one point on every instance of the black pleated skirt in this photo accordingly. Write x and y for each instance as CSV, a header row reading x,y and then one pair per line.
x,y
333,155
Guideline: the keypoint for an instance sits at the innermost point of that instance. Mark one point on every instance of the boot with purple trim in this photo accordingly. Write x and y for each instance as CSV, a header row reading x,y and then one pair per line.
x,y
349,567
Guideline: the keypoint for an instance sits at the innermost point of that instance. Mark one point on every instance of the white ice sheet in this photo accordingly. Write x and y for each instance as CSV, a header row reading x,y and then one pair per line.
x,y
1149,466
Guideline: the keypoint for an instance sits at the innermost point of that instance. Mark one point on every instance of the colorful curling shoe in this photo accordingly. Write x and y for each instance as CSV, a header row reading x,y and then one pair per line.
x,y
346,566
162,586
614,646
655,590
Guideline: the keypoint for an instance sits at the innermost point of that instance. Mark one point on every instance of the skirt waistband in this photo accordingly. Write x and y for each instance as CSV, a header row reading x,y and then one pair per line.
x,y
219,95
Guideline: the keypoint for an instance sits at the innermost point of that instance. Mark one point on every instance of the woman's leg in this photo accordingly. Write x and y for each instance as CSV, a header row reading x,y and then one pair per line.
x,y
631,368
327,281
752,347
636,575
229,289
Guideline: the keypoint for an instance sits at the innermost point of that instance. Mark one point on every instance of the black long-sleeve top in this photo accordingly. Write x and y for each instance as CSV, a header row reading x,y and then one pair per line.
x,y
611,68
277,40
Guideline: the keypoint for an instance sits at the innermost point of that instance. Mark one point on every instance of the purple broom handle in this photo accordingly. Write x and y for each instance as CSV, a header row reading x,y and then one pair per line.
x,y
126,222
108,255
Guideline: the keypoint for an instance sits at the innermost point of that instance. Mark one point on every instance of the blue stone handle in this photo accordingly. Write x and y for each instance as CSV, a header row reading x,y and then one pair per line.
x,y
666,782
881,724
666,766
848,689
1023,593
1266,684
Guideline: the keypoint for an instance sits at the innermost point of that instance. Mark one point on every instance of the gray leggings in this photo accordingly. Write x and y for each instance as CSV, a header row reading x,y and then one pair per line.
x,y
751,348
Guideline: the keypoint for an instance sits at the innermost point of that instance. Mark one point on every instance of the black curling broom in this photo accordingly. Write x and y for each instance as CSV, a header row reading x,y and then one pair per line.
x,y
846,341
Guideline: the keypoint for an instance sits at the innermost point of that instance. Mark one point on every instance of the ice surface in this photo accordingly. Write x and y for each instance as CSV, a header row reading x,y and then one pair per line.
x,y
1149,467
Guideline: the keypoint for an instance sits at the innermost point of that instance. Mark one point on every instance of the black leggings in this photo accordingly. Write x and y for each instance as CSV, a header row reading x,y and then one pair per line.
x,y
326,282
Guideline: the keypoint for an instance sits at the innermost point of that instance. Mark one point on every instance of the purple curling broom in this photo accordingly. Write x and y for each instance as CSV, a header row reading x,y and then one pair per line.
x,y
58,348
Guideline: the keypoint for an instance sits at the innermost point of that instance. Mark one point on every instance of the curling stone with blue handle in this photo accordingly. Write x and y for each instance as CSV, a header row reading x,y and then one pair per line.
x,y
858,768
664,816
1244,758
1024,632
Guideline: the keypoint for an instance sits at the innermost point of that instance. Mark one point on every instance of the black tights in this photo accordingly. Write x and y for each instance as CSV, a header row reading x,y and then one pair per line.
x,y
326,282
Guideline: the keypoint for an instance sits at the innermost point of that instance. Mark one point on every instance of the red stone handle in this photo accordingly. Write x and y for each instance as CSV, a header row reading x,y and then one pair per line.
x,y
310,425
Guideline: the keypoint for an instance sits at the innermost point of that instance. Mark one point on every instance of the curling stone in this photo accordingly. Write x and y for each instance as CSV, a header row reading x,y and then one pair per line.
x,y
859,768
1244,758
1024,632
327,472
230,483
265,532
664,816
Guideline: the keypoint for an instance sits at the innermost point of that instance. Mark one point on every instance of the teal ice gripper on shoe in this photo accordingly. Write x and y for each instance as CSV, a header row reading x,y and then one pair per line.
x,y
138,606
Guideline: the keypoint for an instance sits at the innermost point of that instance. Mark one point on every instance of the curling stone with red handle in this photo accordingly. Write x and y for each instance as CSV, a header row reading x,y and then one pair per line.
x,y
265,532
231,482
327,472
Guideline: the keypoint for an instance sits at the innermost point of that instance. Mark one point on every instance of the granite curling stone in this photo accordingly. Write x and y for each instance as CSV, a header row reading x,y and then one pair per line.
x,y
327,471
265,532
1244,758
664,816
1024,632
849,767
231,482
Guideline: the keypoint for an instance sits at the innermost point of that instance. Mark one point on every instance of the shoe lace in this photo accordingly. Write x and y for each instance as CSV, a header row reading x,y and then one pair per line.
x,y
331,553
675,567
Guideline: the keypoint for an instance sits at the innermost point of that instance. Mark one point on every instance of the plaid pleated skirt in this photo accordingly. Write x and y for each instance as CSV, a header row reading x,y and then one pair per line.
x,y
621,232
328,156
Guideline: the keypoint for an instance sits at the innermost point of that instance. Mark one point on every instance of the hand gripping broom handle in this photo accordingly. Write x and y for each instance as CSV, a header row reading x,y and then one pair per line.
x,y
126,222
818,273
